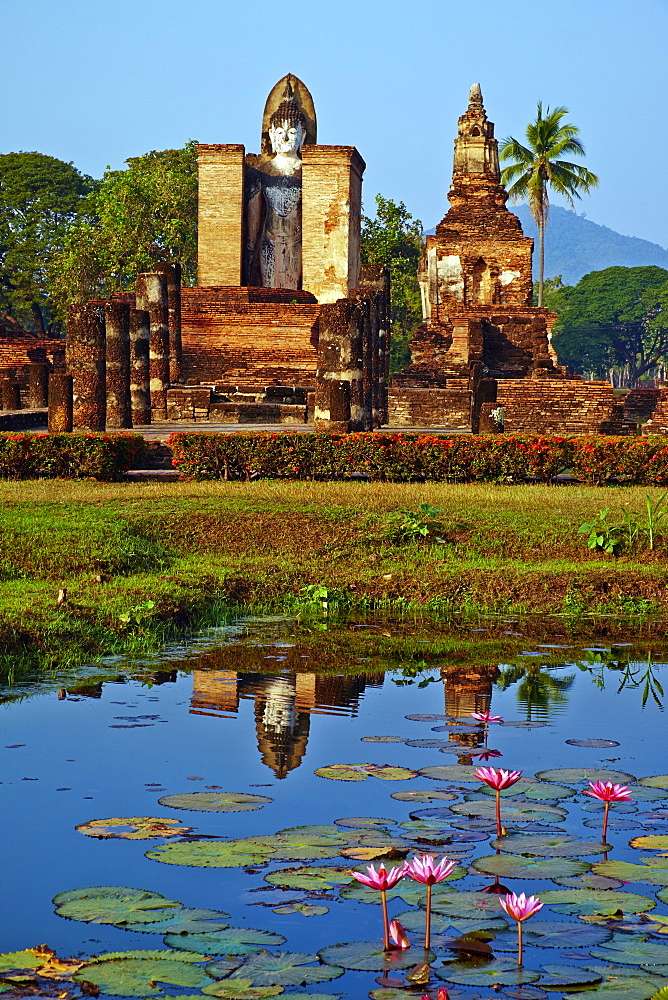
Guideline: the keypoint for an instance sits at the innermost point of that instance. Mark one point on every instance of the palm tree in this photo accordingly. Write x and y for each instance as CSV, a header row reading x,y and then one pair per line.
x,y
537,166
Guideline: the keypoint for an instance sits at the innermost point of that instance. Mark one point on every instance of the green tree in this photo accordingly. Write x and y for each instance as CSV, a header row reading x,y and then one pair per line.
x,y
138,216
40,199
536,167
615,317
394,238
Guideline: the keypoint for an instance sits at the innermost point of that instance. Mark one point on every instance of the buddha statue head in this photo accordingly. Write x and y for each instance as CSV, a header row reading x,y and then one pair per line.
x,y
287,126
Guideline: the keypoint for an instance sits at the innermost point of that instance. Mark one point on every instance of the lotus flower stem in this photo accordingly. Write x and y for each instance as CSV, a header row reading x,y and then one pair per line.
x,y
386,921
606,810
606,792
427,926
519,942
499,829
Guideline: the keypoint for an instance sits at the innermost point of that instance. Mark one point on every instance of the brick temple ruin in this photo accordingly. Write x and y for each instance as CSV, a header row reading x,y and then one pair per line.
x,y
286,326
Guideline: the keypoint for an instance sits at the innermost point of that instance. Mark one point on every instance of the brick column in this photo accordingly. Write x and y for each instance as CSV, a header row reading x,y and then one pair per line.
x,y
172,273
331,214
11,395
220,212
85,355
340,390
117,322
38,383
152,296
140,395
60,403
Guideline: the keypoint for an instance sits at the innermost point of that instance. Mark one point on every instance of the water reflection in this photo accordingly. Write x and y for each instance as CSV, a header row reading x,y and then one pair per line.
x,y
539,691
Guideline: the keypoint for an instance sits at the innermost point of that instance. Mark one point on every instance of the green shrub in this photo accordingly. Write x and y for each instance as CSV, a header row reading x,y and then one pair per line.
x,y
68,456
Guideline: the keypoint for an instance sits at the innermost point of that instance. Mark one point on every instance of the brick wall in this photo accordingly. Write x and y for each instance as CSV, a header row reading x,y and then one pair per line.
x,y
556,406
429,407
249,335
14,351
220,214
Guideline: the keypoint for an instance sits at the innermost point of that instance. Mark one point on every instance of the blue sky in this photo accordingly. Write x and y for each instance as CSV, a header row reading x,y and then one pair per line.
x,y
95,83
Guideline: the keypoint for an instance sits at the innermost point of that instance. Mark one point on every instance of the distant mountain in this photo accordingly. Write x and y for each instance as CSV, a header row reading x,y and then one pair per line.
x,y
575,246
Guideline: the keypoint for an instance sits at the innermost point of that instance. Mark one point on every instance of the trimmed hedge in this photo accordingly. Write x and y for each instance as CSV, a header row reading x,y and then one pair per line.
x,y
68,456
404,457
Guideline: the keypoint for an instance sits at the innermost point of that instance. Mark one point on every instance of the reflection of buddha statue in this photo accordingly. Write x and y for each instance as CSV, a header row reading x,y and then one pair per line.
x,y
273,243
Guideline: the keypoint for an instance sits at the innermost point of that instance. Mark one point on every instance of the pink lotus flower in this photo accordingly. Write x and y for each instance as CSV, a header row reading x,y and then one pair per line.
x,y
497,779
607,793
486,717
398,935
487,754
520,908
381,879
441,995
423,869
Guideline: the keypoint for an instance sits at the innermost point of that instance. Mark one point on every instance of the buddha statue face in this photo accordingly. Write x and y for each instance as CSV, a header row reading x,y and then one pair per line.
x,y
286,137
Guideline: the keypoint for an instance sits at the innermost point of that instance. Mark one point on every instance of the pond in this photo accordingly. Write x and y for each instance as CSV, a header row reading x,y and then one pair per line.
x,y
211,804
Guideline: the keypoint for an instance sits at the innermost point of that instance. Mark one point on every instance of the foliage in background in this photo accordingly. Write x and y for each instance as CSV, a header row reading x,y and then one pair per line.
x,y
394,238
41,198
137,217
68,456
403,457
615,317
532,169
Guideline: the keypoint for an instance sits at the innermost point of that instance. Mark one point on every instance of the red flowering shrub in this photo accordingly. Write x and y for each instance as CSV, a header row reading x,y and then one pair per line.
x,y
68,456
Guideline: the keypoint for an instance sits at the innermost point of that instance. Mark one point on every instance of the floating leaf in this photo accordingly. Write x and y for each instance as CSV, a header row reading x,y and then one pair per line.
x,y
290,968
569,774
629,951
595,805
655,781
412,893
16,961
590,881
426,796
549,846
211,853
214,801
504,971
113,904
369,956
623,987
559,934
628,872
359,772
450,772
381,739
413,920
563,977
363,822
531,789
645,793
231,941
306,909
312,879
593,743
584,901
513,810
242,989
184,920
137,977
363,853
132,828
427,718
651,842
428,744
517,866
467,904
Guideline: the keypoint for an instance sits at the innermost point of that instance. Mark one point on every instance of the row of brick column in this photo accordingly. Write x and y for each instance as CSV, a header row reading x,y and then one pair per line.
x,y
120,359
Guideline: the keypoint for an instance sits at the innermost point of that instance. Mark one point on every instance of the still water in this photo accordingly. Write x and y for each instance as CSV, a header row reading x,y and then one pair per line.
x,y
243,709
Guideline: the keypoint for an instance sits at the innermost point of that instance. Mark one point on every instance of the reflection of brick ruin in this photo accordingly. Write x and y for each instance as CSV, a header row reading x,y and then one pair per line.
x,y
482,343
284,704
467,689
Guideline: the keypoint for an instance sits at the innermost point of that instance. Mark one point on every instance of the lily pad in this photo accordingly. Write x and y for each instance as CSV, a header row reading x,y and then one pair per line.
x,y
306,909
360,772
381,739
312,879
426,796
559,934
569,774
581,902
629,872
363,822
290,968
504,971
428,718
139,977
651,842
428,744
214,801
518,866
412,893
413,921
590,881
211,853
620,986
531,789
513,810
113,904
184,920
655,781
241,989
549,846
565,977
468,905
231,941
18,961
450,772
593,743
369,956
132,828
629,951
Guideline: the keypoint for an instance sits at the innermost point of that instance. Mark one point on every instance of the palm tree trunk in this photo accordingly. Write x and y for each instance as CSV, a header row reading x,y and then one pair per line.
x,y
541,256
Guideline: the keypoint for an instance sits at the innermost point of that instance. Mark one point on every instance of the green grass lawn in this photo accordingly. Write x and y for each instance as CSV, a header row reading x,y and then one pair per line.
x,y
143,561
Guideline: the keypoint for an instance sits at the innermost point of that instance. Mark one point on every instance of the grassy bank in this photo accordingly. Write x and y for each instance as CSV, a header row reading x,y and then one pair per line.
x,y
142,562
